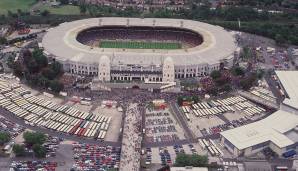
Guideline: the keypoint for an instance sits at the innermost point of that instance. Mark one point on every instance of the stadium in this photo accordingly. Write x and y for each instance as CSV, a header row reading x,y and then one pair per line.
x,y
140,49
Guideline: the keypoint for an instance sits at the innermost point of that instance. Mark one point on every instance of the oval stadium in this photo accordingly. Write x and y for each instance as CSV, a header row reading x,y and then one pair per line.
x,y
150,49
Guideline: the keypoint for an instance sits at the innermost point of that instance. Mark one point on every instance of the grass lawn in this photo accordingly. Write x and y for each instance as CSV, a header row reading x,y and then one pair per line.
x,y
14,5
62,10
139,45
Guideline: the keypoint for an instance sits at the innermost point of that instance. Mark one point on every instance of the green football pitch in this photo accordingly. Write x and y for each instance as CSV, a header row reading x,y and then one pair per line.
x,y
139,45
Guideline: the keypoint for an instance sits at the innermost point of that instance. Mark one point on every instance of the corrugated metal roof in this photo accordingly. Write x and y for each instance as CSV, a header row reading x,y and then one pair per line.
x,y
289,81
271,129
274,127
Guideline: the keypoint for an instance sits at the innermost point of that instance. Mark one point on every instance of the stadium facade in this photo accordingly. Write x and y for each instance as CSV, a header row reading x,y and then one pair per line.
x,y
204,48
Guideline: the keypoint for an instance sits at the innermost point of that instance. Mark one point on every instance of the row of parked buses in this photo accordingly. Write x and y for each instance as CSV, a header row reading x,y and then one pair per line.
x,y
252,111
206,109
56,107
215,107
210,146
39,112
212,111
263,93
186,111
230,100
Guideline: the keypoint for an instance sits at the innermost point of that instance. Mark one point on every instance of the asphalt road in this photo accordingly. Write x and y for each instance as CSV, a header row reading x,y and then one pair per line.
x,y
272,85
182,120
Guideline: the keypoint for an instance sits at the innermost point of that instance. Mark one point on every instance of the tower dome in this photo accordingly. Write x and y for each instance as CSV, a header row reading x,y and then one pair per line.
x,y
104,67
168,70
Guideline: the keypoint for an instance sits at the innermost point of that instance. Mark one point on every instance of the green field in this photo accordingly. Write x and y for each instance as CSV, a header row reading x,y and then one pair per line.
x,y
139,45
61,10
14,5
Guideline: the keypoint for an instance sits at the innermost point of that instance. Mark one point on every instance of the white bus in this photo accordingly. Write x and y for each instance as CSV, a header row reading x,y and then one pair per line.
x,y
211,151
205,142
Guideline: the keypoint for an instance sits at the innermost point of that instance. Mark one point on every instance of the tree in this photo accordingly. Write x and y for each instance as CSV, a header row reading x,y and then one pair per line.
x,y
245,84
32,78
40,59
56,86
64,2
43,81
198,161
246,53
182,160
83,9
280,39
3,40
195,99
39,150
18,150
180,100
33,67
213,90
45,13
10,61
32,138
20,12
49,73
260,73
215,74
248,82
195,160
27,57
238,71
4,137
57,68
17,68
222,81
226,88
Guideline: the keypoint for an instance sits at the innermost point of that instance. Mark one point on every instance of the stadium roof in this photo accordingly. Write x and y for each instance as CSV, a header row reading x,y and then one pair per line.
x,y
218,44
189,168
289,81
274,127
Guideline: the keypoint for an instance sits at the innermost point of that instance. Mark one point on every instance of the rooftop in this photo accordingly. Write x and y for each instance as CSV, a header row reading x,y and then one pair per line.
x,y
274,128
271,129
289,81
218,43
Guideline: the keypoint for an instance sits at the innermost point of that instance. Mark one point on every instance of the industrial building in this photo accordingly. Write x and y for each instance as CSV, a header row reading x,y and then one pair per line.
x,y
279,131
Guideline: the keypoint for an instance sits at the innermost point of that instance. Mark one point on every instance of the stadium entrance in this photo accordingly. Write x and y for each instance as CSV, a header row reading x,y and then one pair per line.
x,y
135,87
136,79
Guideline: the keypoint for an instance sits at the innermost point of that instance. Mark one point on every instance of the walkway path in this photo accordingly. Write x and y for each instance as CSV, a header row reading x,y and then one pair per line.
x,y
182,121
258,99
131,141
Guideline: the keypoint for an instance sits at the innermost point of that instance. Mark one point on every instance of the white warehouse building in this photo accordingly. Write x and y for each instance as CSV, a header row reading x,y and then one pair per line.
x,y
279,131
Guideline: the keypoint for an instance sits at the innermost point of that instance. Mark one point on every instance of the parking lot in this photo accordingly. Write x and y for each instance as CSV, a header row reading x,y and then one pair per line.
x,y
213,116
161,126
52,99
38,109
113,132
167,154
34,165
12,128
95,157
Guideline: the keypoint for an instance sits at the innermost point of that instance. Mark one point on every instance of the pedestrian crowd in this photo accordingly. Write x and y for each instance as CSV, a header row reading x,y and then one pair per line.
x,y
131,142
